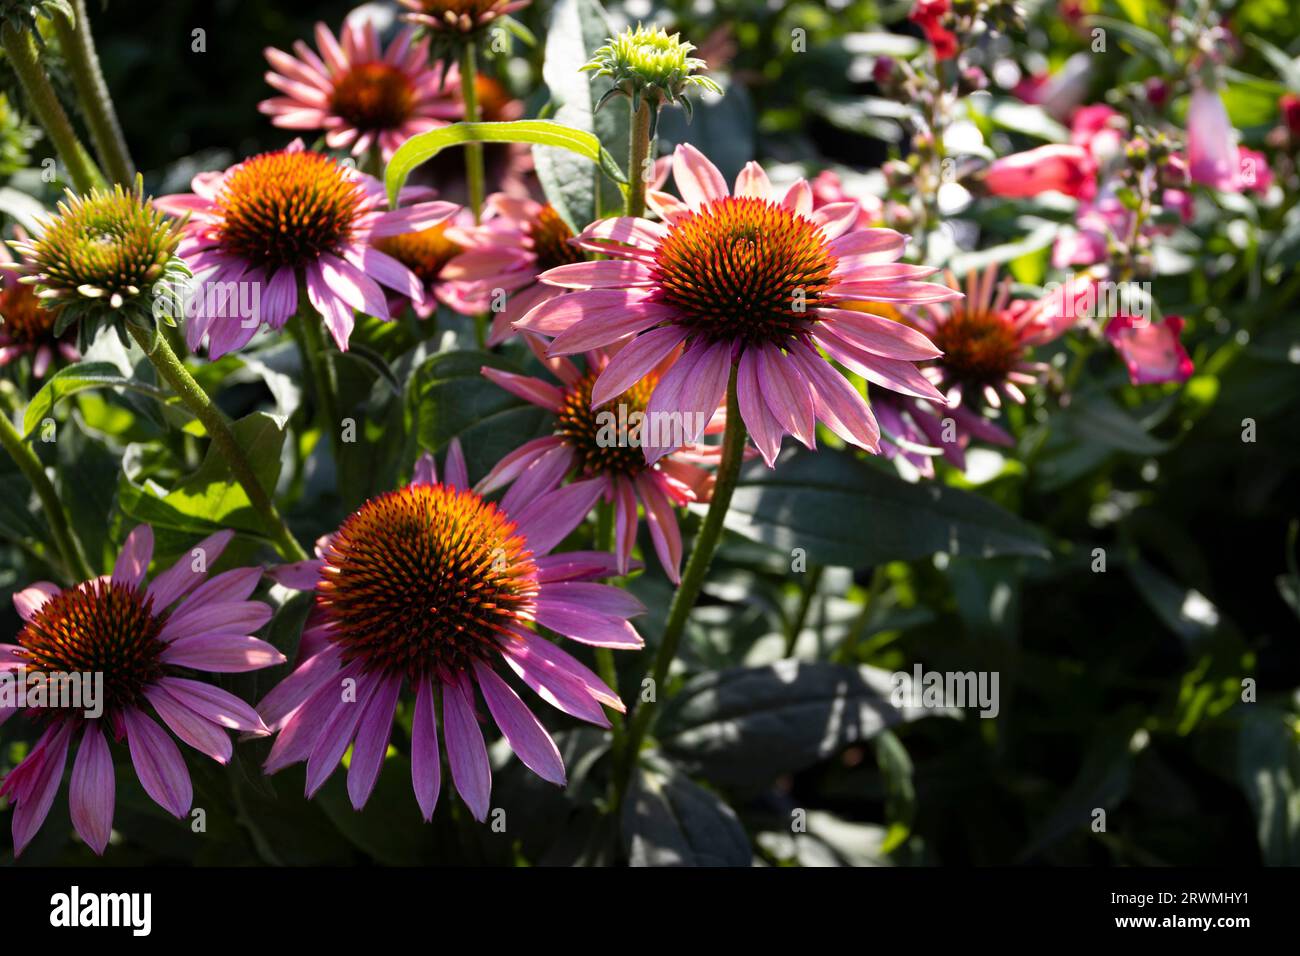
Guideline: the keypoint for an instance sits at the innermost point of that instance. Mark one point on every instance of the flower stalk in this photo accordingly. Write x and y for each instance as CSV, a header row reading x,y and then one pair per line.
x,y
693,576
311,342
474,175
70,553
20,49
173,371
78,47
639,152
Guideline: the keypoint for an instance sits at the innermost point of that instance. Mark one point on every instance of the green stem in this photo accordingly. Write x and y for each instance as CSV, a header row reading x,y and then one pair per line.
x,y
97,105
311,341
70,553
638,153
473,151
697,568
809,591
20,49
606,538
174,372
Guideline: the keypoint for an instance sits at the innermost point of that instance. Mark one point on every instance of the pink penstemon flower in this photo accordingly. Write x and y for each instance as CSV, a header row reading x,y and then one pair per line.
x,y
577,448
1151,350
758,279
433,588
291,217
142,639
358,93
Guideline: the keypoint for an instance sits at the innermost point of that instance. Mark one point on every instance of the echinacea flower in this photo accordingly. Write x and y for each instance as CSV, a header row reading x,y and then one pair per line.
x,y
517,240
288,218
985,339
1151,350
143,640
434,588
426,253
99,257
754,280
1057,167
460,16
359,93
27,327
604,443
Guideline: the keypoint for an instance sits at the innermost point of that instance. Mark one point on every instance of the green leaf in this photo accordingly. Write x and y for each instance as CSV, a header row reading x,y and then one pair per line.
x,y
1288,69
577,29
211,498
1268,772
744,726
389,827
422,148
670,821
450,398
1141,41
845,512
78,378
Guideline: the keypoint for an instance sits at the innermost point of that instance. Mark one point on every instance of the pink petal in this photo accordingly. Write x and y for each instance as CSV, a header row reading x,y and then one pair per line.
x,y
214,704
134,558
426,766
634,362
201,734
466,752
47,761
549,519
697,179
372,740
337,732
158,764
521,728
222,653
30,600
91,795
664,532
879,335
787,395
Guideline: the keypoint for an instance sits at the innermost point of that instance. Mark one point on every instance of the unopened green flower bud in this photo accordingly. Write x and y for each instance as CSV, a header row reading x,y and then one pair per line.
x,y
650,64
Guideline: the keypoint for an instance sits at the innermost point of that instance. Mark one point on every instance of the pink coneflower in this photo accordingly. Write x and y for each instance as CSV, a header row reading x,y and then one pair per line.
x,y
603,443
750,279
1151,350
517,241
460,16
142,640
432,587
426,253
359,93
27,327
294,217
985,340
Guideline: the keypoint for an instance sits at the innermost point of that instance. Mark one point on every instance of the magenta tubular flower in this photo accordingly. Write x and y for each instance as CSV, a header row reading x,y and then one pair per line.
x,y
1151,350
433,588
358,93
985,339
576,449
1058,168
1211,142
517,241
27,327
143,640
750,278
289,217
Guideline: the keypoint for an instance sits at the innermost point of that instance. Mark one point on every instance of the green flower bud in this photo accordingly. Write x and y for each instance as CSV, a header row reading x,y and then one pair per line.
x,y
652,64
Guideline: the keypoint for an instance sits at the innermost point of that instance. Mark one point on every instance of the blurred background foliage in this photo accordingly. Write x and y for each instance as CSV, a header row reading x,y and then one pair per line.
x,y
1121,689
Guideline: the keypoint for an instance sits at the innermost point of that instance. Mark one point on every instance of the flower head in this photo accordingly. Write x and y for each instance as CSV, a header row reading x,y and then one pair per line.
x,y
462,17
929,15
432,587
603,443
288,218
757,280
360,94
99,258
650,63
142,639
985,339
517,240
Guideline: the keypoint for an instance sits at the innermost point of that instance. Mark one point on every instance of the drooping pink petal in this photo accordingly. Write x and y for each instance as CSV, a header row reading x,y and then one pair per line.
x,y
533,390
300,729
787,395
879,335
838,403
588,627
158,763
222,653
214,704
902,377
597,331
91,792
189,571
466,752
763,428
634,362
338,731
200,733
549,519
662,520
291,693
547,660
426,766
516,463
372,740
41,778
560,313
521,728
223,617
539,478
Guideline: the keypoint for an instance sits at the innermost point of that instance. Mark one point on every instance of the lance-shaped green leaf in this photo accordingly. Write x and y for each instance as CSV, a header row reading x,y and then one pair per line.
x,y
422,148
78,378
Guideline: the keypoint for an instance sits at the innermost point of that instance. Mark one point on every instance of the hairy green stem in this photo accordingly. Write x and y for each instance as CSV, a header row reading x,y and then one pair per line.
x,y
97,105
174,372
606,540
20,49
638,155
812,578
311,341
70,553
697,569
473,151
